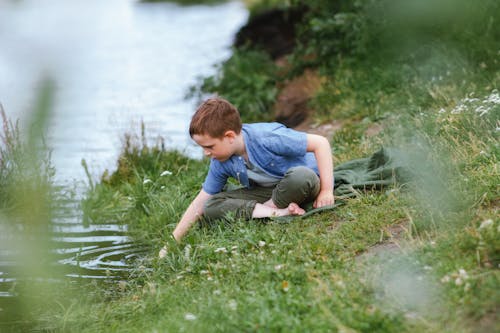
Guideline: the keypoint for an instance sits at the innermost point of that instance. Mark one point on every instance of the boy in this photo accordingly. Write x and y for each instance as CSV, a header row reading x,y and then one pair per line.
x,y
278,167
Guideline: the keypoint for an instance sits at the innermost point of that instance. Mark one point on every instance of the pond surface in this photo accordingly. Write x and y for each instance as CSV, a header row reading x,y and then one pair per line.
x,y
115,64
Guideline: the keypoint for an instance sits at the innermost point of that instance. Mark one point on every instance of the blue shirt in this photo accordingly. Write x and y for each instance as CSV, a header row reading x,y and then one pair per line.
x,y
272,147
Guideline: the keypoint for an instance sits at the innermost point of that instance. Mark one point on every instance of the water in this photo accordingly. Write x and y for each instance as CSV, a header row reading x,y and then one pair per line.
x,y
115,64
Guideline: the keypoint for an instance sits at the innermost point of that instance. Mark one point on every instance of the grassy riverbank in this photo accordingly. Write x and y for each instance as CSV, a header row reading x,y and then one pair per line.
x,y
422,258
418,258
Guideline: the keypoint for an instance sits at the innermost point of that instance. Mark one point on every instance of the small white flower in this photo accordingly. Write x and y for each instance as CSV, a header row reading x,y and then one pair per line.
x,y
163,252
494,98
232,304
411,315
482,110
445,279
262,243
463,274
458,281
220,250
203,271
147,181
278,267
189,316
485,224
166,173
187,251
122,285
442,110
340,284
209,278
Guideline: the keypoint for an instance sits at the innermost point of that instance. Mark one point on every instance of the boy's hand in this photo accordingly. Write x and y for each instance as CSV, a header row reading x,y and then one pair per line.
x,y
324,198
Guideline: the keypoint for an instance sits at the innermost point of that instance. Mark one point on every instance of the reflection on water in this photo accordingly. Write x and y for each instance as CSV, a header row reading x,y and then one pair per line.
x,y
103,251
97,251
115,64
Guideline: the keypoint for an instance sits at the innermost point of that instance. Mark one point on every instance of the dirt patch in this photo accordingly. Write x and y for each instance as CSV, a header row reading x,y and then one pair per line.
x,y
273,31
396,233
488,323
326,129
373,129
291,107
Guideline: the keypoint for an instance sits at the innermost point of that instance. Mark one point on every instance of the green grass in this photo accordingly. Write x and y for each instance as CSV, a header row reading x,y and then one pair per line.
x,y
417,258
320,273
317,274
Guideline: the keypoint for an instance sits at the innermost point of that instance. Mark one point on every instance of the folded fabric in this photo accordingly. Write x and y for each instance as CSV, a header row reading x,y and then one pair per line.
x,y
386,167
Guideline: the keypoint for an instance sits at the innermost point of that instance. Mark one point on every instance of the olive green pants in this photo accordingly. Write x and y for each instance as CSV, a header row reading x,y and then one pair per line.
x,y
299,185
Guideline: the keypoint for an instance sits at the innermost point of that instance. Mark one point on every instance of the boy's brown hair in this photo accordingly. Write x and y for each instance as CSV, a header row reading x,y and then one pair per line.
x,y
215,117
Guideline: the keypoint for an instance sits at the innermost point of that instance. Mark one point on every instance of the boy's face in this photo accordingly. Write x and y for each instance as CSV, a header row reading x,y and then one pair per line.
x,y
220,149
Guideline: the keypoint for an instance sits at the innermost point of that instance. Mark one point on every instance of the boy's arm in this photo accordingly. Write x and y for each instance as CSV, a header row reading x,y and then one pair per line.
x,y
191,215
320,146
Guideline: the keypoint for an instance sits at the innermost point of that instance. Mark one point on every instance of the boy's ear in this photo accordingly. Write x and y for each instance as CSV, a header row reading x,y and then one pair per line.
x,y
230,134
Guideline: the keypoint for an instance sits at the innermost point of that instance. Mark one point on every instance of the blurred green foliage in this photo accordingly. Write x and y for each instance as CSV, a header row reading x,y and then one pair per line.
x,y
26,203
189,2
248,80
25,166
387,30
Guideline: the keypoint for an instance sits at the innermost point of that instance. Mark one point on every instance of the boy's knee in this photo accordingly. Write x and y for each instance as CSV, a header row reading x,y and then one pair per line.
x,y
301,176
299,185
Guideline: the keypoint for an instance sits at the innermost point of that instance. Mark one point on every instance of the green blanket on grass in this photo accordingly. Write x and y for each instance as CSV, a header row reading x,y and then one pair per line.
x,y
385,168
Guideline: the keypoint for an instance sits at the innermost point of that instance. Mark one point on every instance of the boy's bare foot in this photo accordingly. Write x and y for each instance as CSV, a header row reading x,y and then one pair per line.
x,y
294,209
270,203
263,210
